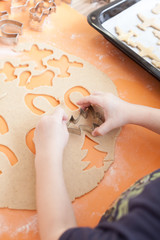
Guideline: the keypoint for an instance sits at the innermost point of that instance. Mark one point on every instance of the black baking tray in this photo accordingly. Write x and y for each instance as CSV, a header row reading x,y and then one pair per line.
x,y
99,16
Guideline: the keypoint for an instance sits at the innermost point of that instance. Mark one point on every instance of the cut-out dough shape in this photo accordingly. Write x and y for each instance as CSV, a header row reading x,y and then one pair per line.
x,y
18,181
157,35
156,63
146,52
147,22
64,64
126,37
156,9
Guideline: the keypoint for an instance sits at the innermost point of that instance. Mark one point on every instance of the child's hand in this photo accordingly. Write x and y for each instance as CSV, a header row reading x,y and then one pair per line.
x,y
51,132
115,110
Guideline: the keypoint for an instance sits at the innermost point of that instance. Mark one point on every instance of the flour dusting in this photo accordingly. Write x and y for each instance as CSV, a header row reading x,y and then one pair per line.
x,y
30,226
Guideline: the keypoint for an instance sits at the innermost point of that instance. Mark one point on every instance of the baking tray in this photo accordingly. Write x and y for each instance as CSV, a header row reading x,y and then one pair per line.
x,y
124,13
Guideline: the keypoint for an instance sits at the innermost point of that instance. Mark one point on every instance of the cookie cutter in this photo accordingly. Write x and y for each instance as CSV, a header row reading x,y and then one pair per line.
x,y
57,2
40,10
22,7
3,15
97,117
38,13
10,30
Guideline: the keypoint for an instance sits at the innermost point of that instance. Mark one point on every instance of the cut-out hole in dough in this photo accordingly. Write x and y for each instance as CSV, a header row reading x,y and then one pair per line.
x,y
99,156
24,78
36,54
31,82
63,64
9,154
29,141
68,102
29,102
3,126
8,69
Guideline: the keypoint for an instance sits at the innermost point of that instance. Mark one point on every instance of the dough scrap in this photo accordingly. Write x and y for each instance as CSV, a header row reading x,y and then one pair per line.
x,y
17,179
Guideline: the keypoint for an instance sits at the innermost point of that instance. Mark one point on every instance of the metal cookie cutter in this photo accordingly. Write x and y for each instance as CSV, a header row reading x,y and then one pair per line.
x,y
10,30
3,15
39,13
21,7
46,1
98,119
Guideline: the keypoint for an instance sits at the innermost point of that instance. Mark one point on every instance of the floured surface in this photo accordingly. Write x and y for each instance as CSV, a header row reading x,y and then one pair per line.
x,y
46,88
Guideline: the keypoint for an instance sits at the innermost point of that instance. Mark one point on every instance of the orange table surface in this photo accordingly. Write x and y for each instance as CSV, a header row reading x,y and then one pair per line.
x,y
137,150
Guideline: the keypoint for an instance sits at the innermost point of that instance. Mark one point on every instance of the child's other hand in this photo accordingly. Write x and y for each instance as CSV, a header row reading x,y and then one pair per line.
x,y
115,111
51,132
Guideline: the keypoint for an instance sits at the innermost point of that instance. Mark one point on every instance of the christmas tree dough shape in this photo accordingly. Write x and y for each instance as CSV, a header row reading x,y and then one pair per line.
x,y
17,179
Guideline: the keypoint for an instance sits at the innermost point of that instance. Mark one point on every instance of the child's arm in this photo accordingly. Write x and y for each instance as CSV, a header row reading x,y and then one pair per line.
x,y
118,113
55,213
